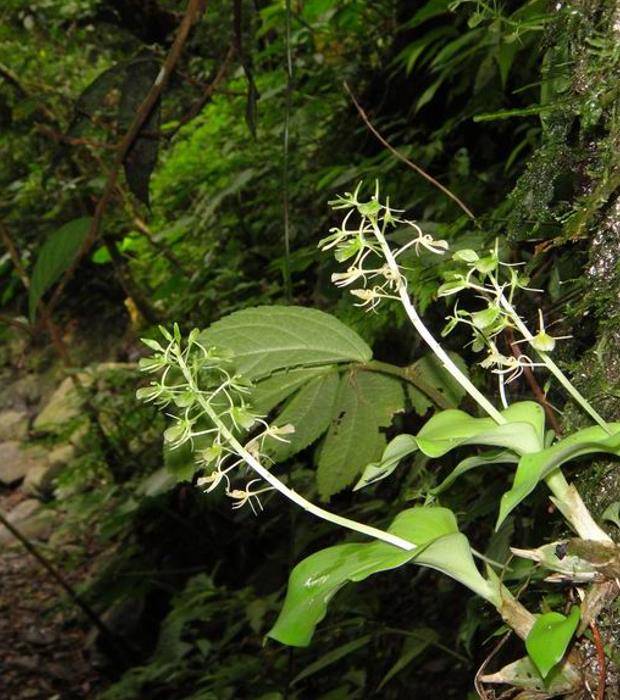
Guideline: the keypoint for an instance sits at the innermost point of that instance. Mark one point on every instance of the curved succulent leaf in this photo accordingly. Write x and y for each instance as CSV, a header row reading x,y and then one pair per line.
x,y
315,580
535,467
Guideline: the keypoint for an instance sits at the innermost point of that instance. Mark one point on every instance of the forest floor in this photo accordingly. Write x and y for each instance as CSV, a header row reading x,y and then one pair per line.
x,y
44,640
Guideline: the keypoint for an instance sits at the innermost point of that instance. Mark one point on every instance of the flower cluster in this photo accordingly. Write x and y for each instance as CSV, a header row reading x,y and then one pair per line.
x,y
495,283
361,239
211,411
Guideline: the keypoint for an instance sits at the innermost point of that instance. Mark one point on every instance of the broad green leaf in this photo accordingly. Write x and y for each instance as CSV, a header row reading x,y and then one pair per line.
x,y
366,403
523,432
55,256
535,467
549,638
309,411
332,657
269,392
450,429
265,339
315,580
431,370
414,646
397,449
469,463
419,401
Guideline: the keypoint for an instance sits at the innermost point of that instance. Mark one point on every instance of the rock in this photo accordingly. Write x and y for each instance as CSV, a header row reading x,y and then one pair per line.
x,y
30,519
28,389
16,462
39,480
63,406
13,425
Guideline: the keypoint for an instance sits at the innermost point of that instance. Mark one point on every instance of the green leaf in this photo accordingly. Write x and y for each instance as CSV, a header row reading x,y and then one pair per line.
x,y
414,646
332,657
315,580
309,411
453,428
549,638
270,392
535,467
432,371
141,158
397,449
270,338
55,256
366,402
523,432
482,460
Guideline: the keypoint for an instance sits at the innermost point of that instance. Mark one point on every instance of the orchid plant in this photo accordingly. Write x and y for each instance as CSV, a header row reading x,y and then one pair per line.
x,y
212,409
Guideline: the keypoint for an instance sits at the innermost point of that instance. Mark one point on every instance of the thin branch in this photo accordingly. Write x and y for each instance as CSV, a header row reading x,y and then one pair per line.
x,y
403,158
600,652
195,8
65,585
16,324
207,94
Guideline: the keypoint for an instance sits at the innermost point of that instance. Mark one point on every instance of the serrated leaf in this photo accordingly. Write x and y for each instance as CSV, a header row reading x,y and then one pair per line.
x,y
434,373
331,657
141,158
366,402
414,646
315,580
55,256
266,339
420,403
270,392
309,411
535,467
549,638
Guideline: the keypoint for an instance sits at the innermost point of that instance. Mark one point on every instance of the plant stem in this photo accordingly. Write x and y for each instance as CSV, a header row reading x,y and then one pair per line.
x,y
430,340
271,479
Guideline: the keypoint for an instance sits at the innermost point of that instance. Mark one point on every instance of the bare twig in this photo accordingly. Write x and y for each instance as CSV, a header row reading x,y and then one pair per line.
x,y
65,585
482,693
207,93
16,324
195,8
600,652
403,158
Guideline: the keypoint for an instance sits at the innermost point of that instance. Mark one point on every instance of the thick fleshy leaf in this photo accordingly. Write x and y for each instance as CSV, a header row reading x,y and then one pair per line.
x,y
315,580
397,449
549,638
469,463
523,432
266,339
450,429
535,467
